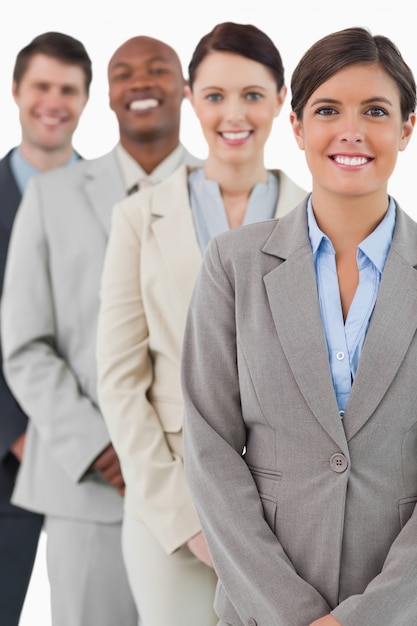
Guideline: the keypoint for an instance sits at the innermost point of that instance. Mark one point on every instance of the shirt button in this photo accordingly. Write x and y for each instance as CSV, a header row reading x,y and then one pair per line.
x,y
340,355
338,463
341,413
252,622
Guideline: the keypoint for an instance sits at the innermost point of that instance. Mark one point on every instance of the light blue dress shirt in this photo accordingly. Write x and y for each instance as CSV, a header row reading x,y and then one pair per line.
x,y
345,340
23,170
208,210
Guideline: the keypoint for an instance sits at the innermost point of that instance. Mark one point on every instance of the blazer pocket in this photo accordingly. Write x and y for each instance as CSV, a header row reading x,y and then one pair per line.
x,y
267,484
405,509
170,414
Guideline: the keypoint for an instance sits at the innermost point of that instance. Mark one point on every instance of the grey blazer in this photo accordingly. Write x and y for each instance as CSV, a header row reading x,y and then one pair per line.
x,y
303,512
49,323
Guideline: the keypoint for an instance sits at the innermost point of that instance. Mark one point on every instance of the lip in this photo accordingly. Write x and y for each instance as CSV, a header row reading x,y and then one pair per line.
x,y
235,137
351,161
50,120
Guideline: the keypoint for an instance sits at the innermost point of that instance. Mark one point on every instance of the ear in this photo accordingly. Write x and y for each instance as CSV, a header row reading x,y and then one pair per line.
x,y
15,91
189,94
281,95
407,131
297,129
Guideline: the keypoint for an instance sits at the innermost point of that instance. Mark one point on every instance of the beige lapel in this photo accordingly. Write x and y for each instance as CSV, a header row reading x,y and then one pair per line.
x,y
174,232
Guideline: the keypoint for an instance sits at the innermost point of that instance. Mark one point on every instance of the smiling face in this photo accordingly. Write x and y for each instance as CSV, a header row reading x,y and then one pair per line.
x,y
235,100
51,96
146,90
351,131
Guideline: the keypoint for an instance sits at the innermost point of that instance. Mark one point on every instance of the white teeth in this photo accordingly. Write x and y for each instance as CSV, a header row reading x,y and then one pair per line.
x,y
142,105
345,160
235,136
50,121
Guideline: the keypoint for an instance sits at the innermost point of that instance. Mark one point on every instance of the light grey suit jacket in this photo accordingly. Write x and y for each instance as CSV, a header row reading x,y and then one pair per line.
x,y
317,513
49,322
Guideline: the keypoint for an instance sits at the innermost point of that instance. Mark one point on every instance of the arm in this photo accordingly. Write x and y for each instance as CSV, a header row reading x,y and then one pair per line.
x,y
156,490
257,576
37,372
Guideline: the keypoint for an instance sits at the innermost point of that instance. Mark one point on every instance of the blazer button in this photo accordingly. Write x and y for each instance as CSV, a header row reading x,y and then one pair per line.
x,y
338,462
252,622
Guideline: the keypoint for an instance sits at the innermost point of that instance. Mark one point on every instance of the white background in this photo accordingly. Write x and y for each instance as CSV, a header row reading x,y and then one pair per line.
x,y
103,26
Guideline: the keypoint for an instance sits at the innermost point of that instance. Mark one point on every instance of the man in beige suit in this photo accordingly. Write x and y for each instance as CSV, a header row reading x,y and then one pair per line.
x,y
70,470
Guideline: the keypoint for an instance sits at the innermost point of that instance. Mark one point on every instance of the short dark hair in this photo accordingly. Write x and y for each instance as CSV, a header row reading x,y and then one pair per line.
x,y
243,39
351,46
58,46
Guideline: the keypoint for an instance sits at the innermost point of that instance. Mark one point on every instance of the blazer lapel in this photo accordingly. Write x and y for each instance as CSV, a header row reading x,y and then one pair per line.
x,y
103,186
393,326
174,231
292,294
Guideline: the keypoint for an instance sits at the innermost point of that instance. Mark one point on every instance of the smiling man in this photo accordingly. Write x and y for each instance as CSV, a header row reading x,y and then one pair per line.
x,y
70,472
51,81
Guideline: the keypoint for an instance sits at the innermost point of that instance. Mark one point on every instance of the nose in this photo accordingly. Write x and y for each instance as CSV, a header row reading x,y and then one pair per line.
x,y
352,129
53,98
235,110
142,78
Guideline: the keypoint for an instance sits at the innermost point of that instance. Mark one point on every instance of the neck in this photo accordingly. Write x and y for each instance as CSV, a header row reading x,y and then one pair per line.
x,y
349,220
149,154
45,160
236,182
236,179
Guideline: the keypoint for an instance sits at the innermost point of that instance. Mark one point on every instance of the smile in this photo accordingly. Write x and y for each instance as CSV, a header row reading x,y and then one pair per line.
x,y
351,161
143,105
236,136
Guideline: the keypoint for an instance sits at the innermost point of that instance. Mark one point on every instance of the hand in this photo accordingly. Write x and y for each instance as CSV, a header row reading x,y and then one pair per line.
x,y
327,620
18,447
198,546
107,463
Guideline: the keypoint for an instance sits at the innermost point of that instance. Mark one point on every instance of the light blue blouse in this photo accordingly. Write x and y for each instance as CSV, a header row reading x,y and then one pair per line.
x,y
208,210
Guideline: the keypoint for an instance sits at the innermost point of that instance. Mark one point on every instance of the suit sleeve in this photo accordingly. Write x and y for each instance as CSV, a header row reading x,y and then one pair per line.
x,y
156,490
13,421
35,365
255,574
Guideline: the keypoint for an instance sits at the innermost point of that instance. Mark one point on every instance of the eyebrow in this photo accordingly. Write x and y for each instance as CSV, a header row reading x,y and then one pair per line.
x,y
372,100
210,87
151,60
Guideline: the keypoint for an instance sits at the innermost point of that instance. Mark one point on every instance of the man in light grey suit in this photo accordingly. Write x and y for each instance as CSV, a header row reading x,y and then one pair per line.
x,y
50,306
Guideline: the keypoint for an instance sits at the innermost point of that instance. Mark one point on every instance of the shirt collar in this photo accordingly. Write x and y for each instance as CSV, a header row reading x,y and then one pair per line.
x,y
375,247
23,170
133,173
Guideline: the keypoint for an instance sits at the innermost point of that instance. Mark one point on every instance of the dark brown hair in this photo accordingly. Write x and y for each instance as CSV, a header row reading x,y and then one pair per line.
x,y
351,46
58,46
243,39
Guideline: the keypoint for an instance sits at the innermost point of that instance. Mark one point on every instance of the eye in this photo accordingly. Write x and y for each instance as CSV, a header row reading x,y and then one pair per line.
x,y
68,90
376,111
125,75
214,97
253,96
42,87
326,111
159,71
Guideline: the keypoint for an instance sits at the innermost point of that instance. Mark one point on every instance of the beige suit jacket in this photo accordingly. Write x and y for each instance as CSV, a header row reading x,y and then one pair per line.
x,y
303,512
49,317
151,265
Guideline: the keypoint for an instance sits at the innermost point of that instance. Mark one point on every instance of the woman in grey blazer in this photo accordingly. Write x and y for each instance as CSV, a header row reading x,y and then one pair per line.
x,y
152,260
299,368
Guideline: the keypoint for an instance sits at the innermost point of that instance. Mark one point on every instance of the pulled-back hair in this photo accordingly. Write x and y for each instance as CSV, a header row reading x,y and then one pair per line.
x,y
243,39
